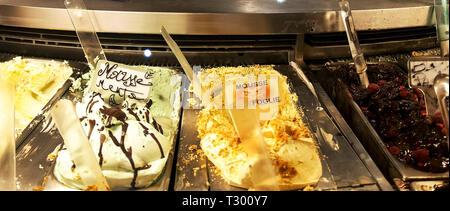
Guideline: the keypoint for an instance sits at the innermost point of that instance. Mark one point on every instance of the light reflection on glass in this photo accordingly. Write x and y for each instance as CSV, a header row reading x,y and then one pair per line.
x,y
280,1
147,53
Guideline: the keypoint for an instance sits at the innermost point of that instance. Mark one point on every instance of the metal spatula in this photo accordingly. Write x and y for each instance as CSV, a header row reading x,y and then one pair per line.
x,y
84,28
355,48
441,86
246,123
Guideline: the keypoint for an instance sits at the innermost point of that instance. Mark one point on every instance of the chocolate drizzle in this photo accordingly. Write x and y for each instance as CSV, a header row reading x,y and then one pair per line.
x,y
91,127
154,138
100,155
92,104
159,144
89,107
82,118
120,115
134,114
114,112
127,152
147,118
149,103
157,126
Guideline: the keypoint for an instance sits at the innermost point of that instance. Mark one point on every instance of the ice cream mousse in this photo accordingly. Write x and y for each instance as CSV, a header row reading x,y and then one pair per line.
x,y
291,148
132,140
36,82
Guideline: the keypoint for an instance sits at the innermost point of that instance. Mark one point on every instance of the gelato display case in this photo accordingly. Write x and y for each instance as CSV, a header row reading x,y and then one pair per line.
x,y
321,139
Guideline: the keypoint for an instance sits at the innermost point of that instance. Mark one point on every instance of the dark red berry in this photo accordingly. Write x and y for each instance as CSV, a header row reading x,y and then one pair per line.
x,y
423,112
373,88
437,118
417,92
440,125
394,150
422,104
421,155
404,94
444,131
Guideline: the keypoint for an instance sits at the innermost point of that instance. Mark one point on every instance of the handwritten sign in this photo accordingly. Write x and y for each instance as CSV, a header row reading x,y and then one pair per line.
x,y
423,71
117,82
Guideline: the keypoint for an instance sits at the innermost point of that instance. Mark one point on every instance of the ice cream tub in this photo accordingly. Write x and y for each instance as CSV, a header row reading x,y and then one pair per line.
x,y
195,171
387,152
134,142
38,83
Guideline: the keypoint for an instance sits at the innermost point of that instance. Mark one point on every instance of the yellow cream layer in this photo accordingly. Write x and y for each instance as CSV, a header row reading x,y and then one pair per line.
x,y
292,150
36,82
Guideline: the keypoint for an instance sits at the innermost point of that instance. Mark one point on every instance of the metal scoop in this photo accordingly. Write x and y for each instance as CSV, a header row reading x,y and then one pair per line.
x,y
246,123
441,89
355,48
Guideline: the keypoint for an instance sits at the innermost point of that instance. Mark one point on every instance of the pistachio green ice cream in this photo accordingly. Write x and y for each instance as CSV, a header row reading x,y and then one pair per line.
x,y
132,141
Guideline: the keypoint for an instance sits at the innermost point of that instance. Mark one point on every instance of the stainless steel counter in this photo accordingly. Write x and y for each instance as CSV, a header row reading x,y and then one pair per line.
x,y
220,17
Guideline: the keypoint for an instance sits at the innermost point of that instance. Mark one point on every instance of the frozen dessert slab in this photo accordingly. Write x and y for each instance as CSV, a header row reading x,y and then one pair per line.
x,y
132,140
37,81
195,171
291,148
37,155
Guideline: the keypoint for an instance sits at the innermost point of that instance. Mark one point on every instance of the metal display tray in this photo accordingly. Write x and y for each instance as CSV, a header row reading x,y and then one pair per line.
x,y
388,164
77,68
33,169
348,168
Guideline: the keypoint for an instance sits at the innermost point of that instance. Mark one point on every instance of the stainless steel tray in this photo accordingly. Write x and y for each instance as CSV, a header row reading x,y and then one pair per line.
x,y
33,169
388,164
77,67
343,169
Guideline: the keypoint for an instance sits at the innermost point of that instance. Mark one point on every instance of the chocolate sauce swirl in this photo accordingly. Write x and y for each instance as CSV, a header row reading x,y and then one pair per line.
x,y
100,154
114,112
92,104
91,127
157,126
149,103
134,114
120,115
88,108
154,138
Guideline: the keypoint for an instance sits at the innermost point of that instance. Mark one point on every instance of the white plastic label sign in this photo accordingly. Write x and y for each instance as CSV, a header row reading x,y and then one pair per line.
x,y
117,82
423,72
